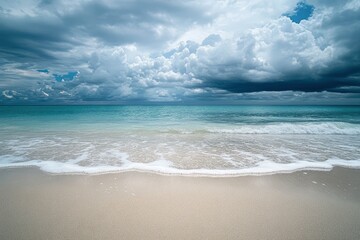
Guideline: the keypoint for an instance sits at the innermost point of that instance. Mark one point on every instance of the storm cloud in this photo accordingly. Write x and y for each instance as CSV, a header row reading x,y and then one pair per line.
x,y
140,52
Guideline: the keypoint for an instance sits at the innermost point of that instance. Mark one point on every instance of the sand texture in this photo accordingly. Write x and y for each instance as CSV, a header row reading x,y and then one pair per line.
x,y
300,205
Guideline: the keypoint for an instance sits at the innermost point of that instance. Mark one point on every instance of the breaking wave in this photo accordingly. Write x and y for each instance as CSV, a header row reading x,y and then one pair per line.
x,y
326,128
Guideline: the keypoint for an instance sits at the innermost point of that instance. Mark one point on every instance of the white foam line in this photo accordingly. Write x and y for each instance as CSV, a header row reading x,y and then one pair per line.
x,y
164,167
323,128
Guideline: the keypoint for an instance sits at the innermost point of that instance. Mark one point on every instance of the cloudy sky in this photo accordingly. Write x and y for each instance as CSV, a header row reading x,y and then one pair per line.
x,y
180,52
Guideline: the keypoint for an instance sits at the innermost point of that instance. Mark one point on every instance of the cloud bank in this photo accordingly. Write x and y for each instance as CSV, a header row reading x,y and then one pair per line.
x,y
208,52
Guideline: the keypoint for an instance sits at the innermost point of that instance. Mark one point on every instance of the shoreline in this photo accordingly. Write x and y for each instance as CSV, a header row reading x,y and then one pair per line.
x,y
132,205
264,168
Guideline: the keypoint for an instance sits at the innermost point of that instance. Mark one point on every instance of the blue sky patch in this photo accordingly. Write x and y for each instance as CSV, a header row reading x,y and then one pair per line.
x,y
66,77
301,12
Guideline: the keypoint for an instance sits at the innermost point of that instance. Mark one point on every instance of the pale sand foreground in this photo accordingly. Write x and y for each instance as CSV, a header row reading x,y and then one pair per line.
x,y
301,205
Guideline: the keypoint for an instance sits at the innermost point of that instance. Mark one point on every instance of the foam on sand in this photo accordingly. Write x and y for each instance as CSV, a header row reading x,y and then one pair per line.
x,y
166,167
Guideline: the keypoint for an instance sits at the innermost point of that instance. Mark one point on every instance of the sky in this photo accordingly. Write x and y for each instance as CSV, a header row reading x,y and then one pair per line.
x,y
179,52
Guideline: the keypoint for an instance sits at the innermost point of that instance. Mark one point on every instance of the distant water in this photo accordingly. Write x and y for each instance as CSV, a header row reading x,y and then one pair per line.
x,y
188,140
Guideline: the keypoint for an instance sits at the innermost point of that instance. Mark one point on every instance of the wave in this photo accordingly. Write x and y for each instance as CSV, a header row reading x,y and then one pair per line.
x,y
324,128
165,167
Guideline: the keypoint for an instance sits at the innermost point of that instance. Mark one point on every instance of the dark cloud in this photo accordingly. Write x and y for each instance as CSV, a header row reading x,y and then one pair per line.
x,y
304,85
56,27
323,54
28,38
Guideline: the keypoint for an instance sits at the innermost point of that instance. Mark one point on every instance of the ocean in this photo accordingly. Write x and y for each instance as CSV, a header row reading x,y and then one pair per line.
x,y
181,140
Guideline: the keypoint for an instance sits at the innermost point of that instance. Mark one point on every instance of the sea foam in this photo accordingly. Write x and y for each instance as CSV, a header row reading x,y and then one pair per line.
x,y
165,168
323,128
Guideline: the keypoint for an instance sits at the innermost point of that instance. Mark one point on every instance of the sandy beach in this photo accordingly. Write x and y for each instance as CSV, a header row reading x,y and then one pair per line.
x,y
300,205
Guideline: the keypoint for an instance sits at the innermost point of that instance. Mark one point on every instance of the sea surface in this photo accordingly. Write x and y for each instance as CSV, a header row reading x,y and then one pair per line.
x,y
182,140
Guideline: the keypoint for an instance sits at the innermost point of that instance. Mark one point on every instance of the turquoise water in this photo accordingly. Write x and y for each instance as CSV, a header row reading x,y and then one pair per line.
x,y
192,140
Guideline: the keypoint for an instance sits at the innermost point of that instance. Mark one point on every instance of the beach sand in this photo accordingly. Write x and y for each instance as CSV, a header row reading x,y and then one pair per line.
x,y
300,205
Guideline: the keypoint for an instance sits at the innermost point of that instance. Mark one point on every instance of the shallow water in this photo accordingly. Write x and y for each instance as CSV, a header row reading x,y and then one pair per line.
x,y
193,140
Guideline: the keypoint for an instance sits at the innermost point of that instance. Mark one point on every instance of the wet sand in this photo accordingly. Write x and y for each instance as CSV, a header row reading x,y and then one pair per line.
x,y
300,205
